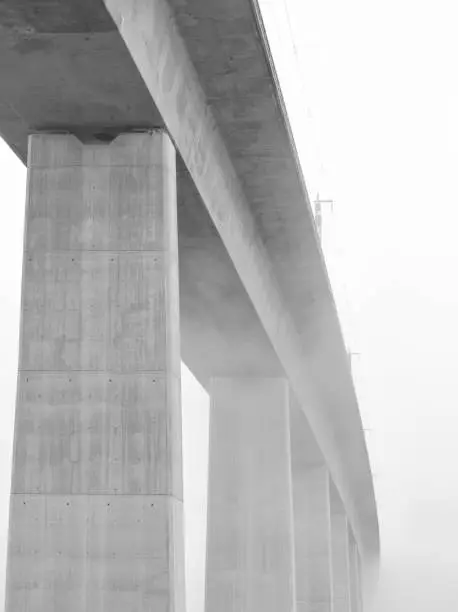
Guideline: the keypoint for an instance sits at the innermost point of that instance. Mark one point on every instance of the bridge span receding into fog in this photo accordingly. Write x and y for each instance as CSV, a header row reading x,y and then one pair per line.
x,y
166,208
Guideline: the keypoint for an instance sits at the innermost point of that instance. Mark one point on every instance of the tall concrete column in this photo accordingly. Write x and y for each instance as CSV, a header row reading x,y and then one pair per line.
x,y
314,579
96,503
340,561
355,577
250,565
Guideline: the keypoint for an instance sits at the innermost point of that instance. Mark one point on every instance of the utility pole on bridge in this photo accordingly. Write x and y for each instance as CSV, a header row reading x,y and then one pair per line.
x,y
350,355
318,214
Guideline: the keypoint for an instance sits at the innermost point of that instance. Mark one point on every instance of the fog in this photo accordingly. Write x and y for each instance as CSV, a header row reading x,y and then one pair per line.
x,y
372,94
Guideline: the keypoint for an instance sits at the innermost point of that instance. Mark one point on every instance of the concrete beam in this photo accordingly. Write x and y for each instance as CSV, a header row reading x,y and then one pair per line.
x,y
250,559
152,36
96,497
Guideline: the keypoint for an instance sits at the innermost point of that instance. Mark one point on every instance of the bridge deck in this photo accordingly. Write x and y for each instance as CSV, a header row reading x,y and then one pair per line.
x,y
65,66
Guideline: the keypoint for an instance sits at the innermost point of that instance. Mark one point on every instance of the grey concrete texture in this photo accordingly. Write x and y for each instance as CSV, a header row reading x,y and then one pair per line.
x,y
356,592
96,517
340,562
255,295
313,543
250,532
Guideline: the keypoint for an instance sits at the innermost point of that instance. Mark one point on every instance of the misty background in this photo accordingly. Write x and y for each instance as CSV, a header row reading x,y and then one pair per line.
x,y
372,94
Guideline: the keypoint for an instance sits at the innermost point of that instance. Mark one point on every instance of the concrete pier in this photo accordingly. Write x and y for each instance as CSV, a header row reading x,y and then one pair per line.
x,y
250,563
96,503
314,576
340,560
355,577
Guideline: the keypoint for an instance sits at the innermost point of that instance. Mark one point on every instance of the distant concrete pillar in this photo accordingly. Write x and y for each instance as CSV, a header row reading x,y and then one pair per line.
x,y
314,581
355,577
96,504
250,564
340,561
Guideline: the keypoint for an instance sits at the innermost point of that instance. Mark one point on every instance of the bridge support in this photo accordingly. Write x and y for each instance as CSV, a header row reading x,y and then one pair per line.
x,y
250,564
96,504
340,561
313,539
355,577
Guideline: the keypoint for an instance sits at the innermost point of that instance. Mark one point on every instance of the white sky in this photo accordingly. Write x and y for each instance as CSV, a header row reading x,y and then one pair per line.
x,y
372,94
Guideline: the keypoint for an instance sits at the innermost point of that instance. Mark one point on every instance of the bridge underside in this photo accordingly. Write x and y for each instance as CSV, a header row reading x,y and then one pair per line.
x,y
64,68
255,300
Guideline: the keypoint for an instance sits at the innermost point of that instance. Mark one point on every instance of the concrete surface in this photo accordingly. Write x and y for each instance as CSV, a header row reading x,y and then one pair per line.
x,y
252,273
355,577
312,521
96,503
250,564
340,540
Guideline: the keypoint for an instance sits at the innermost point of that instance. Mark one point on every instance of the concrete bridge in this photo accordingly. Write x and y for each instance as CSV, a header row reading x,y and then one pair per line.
x,y
166,207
